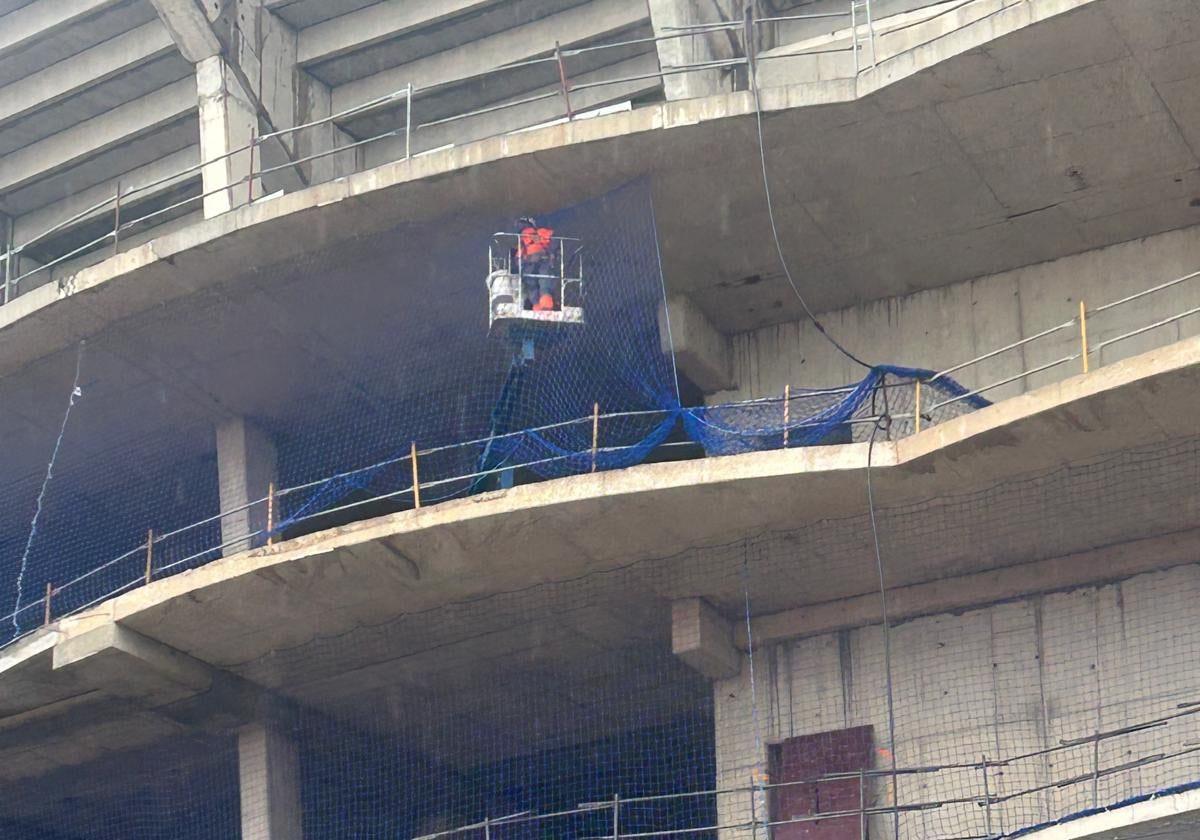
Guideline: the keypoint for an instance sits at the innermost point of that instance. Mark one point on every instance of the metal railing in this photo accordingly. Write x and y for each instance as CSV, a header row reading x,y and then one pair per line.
x,y
125,223
417,492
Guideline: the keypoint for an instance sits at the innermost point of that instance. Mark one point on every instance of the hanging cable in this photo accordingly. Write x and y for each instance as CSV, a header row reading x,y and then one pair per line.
x,y
887,629
757,782
752,72
41,497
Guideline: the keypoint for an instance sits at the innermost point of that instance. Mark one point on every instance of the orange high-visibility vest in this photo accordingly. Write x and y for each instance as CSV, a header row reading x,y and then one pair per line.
x,y
536,241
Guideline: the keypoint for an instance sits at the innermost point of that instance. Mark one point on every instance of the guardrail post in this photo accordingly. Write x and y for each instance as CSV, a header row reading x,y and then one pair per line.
x,y
871,32
616,816
854,34
750,45
987,800
1096,771
595,433
753,809
49,595
9,254
271,513
862,804
1083,339
408,122
416,478
117,219
917,407
787,406
250,175
149,555
564,88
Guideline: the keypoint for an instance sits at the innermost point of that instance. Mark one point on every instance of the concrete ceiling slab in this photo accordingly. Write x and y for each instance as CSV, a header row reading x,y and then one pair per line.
x,y
303,13
96,29
135,152
94,101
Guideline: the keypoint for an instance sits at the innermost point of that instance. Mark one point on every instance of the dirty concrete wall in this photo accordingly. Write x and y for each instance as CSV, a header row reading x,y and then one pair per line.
x,y
953,324
1001,682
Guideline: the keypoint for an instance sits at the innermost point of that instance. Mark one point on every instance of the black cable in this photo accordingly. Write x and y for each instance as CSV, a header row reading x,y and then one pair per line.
x,y
762,155
887,628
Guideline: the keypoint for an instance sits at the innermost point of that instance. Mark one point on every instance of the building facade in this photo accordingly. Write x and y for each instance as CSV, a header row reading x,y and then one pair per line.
x,y
850,489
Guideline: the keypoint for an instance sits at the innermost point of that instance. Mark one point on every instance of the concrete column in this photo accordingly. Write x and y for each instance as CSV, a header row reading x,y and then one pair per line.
x,y
246,465
228,119
694,49
702,353
265,48
314,102
703,639
269,778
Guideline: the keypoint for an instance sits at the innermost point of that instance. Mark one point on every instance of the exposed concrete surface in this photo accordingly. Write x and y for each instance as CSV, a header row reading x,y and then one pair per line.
x,y
1172,817
702,353
945,327
276,598
1006,682
246,469
901,105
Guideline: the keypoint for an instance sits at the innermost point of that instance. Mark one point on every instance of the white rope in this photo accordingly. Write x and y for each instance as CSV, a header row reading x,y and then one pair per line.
x,y
37,511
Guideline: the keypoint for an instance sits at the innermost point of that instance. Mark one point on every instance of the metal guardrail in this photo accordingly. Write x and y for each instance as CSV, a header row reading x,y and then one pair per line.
x,y
404,97
920,415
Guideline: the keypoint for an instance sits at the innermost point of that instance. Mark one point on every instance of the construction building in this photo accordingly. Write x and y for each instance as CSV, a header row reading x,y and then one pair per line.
x,y
850,488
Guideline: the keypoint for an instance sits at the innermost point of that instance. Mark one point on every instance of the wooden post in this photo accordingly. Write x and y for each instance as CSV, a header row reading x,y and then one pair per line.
x,y
49,595
917,409
595,433
416,478
1083,334
149,555
787,408
271,513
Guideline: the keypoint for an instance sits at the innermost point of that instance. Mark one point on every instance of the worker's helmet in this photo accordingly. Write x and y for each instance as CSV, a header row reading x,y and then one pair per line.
x,y
526,221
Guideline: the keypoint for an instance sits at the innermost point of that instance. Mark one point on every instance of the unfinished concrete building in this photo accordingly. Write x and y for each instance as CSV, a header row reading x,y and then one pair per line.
x,y
848,486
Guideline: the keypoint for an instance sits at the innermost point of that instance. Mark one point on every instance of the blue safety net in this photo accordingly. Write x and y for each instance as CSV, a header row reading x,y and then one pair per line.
x,y
885,399
522,394
340,363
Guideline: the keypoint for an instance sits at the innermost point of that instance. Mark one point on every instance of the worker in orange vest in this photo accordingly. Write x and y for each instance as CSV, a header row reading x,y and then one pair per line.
x,y
535,247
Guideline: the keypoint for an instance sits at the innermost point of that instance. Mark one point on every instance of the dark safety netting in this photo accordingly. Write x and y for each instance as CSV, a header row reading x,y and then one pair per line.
x,y
560,709
814,416
342,363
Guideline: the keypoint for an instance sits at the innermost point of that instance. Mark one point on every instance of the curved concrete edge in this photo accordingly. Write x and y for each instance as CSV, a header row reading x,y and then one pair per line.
x,y
142,660
1174,815
978,444
31,325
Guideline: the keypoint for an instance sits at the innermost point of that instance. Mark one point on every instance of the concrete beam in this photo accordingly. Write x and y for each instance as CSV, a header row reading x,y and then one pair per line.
x,y
228,120
44,19
190,27
126,664
98,134
702,353
269,778
572,26
314,101
694,49
246,464
1088,568
703,639
374,24
530,114
82,70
